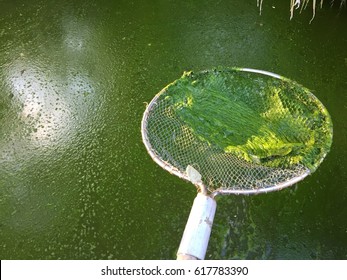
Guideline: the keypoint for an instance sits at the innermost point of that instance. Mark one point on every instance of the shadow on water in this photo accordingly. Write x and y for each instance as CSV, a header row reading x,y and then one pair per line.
x,y
75,179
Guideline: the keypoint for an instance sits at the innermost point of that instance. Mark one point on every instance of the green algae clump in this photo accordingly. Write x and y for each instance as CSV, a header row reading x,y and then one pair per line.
x,y
258,118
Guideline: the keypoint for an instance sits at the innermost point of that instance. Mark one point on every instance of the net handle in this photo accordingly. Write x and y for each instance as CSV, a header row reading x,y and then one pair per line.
x,y
198,228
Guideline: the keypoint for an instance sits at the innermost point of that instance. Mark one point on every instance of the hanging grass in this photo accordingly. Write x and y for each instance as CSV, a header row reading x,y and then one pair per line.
x,y
303,4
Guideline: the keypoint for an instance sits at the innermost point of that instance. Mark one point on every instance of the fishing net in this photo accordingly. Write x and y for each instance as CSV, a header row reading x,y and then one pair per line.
x,y
243,130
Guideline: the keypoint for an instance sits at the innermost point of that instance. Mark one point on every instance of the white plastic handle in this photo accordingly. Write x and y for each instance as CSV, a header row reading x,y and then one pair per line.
x,y
198,229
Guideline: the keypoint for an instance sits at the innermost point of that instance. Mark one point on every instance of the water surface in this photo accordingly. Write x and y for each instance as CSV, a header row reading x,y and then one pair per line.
x,y
75,179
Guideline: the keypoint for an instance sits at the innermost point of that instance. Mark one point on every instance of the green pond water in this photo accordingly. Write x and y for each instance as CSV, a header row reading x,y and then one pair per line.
x,y
76,181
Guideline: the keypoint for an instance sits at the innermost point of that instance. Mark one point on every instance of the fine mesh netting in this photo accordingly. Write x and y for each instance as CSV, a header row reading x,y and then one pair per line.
x,y
239,130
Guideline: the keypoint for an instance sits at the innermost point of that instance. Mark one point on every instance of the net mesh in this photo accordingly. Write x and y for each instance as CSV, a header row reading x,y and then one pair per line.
x,y
265,131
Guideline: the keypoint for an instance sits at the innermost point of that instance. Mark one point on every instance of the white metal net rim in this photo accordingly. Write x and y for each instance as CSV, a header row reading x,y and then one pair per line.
x,y
219,191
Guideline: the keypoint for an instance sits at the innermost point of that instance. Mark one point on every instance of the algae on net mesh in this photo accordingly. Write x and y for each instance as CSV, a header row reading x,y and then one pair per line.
x,y
257,118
